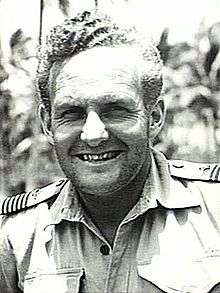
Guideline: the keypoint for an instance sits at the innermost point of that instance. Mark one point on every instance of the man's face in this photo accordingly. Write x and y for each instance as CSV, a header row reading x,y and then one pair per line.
x,y
99,122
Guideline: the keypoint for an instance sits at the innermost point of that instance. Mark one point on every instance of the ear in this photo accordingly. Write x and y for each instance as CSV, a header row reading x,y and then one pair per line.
x,y
45,122
157,118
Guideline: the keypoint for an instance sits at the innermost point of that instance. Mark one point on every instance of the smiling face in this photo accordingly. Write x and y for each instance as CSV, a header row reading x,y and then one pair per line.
x,y
99,124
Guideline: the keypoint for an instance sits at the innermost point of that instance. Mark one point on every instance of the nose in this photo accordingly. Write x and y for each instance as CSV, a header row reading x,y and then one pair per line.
x,y
93,131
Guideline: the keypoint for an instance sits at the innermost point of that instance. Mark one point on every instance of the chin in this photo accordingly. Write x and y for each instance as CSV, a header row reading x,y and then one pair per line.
x,y
96,189
101,181
101,187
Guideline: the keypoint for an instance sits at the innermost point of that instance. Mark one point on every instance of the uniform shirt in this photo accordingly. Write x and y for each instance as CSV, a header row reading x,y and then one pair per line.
x,y
169,242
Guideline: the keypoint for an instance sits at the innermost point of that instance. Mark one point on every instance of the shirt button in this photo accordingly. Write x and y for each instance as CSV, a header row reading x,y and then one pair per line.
x,y
104,249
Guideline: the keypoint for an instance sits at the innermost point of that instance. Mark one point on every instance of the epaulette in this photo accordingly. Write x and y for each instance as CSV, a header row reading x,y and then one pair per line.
x,y
16,203
195,171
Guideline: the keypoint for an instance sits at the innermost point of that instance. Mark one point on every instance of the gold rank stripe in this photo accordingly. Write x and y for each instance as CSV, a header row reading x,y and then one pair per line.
x,y
195,171
13,204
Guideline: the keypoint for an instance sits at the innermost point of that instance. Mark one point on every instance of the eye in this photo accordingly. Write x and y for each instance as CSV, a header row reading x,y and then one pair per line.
x,y
114,110
74,113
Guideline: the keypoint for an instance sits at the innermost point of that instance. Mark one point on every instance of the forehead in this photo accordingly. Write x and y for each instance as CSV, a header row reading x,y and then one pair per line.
x,y
103,60
100,72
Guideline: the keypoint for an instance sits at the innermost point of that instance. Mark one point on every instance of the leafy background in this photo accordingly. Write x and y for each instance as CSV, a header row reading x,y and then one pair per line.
x,y
191,92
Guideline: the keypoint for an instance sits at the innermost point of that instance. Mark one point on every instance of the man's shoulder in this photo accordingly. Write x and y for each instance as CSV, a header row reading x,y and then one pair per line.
x,y
204,176
20,202
193,171
202,180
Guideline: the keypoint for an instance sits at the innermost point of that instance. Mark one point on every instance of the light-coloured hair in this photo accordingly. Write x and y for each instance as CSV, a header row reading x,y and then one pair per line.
x,y
94,29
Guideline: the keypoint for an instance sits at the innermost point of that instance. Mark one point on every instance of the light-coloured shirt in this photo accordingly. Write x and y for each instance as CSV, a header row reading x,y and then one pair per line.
x,y
169,242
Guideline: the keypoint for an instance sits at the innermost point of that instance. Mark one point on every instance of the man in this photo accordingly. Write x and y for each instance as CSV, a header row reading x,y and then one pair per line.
x,y
124,220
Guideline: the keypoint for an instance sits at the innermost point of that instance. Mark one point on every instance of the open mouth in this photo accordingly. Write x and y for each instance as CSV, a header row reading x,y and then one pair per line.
x,y
99,157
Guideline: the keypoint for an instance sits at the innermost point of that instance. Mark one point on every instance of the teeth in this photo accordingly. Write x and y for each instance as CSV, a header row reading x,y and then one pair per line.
x,y
85,157
105,156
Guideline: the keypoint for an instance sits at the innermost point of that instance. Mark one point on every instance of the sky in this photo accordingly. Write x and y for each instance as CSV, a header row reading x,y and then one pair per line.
x,y
182,17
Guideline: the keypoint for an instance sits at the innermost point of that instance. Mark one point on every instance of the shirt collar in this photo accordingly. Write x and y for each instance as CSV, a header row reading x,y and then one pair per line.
x,y
170,192
67,206
159,189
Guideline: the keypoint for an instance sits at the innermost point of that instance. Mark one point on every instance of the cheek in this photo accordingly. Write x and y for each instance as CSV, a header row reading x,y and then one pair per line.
x,y
132,131
65,136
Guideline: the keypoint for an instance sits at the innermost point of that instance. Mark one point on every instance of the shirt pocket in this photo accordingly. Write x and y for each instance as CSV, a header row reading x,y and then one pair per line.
x,y
194,276
61,281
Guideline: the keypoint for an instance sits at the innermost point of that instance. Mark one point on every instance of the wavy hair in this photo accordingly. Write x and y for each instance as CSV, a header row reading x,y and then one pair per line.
x,y
88,30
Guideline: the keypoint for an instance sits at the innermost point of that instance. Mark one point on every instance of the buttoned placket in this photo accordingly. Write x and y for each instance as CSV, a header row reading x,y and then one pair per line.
x,y
122,243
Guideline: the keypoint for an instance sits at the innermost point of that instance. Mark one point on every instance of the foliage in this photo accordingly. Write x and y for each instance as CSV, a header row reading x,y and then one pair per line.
x,y
191,91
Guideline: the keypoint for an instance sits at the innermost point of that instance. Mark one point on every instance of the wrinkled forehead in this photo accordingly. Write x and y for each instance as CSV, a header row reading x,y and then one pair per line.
x,y
104,64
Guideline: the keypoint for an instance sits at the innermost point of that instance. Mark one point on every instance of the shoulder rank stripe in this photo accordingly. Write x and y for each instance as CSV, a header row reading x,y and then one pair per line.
x,y
20,202
4,205
25,199
195,171
213,172
13,204
217,173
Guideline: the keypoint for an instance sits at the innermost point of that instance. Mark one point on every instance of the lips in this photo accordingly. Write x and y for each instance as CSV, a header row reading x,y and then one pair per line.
x,y
99,157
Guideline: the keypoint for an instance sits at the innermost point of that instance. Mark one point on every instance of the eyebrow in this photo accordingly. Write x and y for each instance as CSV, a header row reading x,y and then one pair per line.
x,y
113,98
67,102
105,100
117,100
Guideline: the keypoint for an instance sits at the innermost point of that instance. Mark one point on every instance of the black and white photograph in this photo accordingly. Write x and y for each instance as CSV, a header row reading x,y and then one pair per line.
x,y
109,146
